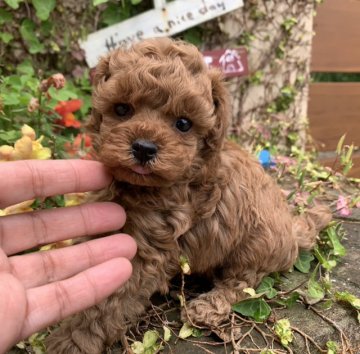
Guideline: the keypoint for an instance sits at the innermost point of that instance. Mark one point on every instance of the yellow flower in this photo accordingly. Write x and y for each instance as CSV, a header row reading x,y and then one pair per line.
x,y
22,148
6,153
39,152
25,148
28,131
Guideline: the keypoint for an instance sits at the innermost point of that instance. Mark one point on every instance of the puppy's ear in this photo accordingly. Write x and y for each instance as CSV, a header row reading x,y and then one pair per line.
x,y
102,70
101,74
215,139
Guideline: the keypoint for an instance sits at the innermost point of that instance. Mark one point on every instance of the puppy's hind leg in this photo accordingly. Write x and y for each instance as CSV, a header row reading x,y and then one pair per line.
x,y
214,307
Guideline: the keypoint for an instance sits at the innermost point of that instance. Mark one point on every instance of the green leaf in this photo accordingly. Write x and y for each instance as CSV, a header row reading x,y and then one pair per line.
x,y
14,4
46,28
327,305
345,296
149,344
315,290
30,82
37,343
26,67
197,332
266,287
135,2
115,13
25,98
150,338
289,23
348,166
99,2
184,265
10,99
59,201
327,264
14,82
340,144
167,333
257,309
27,30
338,248
252,293
5,16
138,348
283,331
61,95
193,35
9,136
349,153
6,37
186,331
333,347
303,262
290,301
43,8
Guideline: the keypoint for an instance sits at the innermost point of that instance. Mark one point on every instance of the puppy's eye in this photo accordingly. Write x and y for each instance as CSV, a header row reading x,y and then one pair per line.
x,y
183,124
123,110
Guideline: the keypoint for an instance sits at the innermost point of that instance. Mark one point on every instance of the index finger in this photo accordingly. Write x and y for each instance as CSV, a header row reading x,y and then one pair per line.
x,y
28,179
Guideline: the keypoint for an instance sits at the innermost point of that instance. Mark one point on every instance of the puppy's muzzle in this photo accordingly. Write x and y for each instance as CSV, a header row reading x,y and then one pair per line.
x,y
144,151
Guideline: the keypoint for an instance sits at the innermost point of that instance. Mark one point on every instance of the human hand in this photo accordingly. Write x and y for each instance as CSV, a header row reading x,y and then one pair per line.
x,y
41,288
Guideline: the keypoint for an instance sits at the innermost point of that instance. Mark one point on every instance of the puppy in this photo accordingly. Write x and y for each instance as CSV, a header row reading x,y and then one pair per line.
x,y
159,122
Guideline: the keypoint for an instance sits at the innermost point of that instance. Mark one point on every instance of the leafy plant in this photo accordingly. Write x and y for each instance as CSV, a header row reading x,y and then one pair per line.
x,y
43,8
345,154
189,331
266,288
28,99
283,331
332,347
149,344
257,309
14,4
289,23
303,262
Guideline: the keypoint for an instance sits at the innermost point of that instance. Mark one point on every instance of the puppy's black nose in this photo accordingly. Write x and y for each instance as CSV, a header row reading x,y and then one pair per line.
x,y
144,150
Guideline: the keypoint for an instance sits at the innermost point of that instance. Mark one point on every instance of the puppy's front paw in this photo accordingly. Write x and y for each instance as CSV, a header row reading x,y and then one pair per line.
x,y
208,310
65,341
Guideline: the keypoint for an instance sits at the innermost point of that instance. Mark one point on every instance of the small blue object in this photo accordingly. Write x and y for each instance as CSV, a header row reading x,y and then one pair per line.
x,y
265,159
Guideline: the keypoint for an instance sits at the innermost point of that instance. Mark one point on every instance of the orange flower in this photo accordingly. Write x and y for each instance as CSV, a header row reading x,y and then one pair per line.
x,y
65,109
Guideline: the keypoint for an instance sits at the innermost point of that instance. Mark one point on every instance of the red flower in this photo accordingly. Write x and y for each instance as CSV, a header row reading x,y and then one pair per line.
x,y
65,109
80,147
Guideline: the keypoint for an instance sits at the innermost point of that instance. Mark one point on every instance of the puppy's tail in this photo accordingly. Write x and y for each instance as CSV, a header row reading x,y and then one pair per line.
x,y
308,225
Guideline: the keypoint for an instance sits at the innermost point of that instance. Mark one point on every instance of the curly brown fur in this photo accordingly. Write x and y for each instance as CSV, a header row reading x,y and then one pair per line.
x,y
200,196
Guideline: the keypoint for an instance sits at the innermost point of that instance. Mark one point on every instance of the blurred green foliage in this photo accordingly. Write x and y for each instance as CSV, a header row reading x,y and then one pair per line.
x,y
336,77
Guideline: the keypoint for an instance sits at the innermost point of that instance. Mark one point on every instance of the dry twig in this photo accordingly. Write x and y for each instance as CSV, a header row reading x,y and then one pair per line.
x,y
346,347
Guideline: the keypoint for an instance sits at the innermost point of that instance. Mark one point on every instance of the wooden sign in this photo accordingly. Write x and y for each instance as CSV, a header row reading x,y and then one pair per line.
x,y
167,20
232,62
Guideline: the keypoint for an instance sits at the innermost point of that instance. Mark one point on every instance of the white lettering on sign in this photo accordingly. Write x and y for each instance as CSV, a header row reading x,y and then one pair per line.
x,y
175,17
